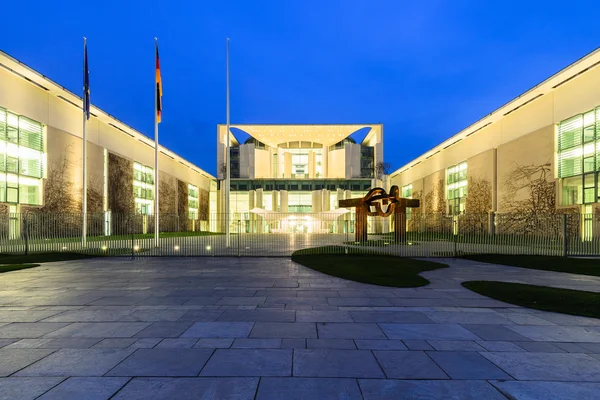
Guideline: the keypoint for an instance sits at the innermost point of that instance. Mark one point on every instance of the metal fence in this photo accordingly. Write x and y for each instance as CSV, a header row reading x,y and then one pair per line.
x,y
281,234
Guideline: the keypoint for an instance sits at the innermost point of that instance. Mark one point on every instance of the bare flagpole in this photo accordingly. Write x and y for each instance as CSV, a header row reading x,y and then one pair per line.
x,y
85,108
156,121
228,176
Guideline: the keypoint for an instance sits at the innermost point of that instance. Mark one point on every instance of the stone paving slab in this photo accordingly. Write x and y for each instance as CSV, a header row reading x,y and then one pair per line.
x,y
12,360
246,362
263,315
84,388
467,365
427,332
408,365
98,330
547,366
189,389
76,362
308,388
219,330
22,330
163,362
336,364
403,317
234,320
284,330
349,331
26,388
380,389
549,390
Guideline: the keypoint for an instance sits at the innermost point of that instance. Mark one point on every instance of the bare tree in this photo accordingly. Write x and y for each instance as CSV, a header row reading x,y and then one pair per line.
x,y
60,195
530,201
479,199
382,168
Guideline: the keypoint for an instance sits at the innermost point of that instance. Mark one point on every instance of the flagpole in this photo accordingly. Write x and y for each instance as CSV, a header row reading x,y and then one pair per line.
x,y
84,108
156,182
228,175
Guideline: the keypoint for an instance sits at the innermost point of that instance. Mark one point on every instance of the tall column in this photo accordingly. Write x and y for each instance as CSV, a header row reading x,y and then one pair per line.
x,y
275,200
259,204
251,205
311,165
287,165
348,216
341,219
326,198
283,201
317,201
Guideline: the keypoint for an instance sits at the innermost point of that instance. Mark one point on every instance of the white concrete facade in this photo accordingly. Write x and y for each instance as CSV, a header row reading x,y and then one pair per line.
x,y
27,93
519,136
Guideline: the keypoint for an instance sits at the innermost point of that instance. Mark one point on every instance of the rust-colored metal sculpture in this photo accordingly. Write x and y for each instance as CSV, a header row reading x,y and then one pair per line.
x,y
377,203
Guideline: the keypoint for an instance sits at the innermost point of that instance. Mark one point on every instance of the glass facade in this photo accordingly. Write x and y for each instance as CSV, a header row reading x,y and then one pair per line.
x,y
579,158
407,192
367,162
300,162
21,159
143,188
193,201
456,188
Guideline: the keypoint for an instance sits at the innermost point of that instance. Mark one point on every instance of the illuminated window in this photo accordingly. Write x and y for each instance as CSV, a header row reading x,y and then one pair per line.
x,y
579,158
407,192
143,188
21,159
193,201
456,188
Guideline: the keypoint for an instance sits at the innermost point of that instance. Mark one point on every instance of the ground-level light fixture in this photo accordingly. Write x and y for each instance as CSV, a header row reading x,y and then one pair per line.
x,y
104,248
136,248
208,248
176,248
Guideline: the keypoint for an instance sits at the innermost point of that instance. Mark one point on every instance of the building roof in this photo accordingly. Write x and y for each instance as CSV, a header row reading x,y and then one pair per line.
x,y
579,67
327,134
20,69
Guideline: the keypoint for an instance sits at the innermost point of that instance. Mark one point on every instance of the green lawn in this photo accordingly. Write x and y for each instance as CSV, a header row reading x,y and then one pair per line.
x,y
380,243
573,302
362,265
40,257
583,266
16,267
162,235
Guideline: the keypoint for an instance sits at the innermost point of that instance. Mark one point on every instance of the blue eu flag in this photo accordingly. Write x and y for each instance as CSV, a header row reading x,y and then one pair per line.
x,y
86,82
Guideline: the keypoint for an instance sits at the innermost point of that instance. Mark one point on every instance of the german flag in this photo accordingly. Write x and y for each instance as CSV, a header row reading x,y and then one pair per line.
x,y
158,89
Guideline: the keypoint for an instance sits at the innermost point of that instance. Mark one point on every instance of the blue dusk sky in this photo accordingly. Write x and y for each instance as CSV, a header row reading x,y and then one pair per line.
x,y
425,69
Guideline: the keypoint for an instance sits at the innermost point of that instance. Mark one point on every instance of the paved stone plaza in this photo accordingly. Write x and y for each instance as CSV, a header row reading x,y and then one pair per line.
x,y
245,328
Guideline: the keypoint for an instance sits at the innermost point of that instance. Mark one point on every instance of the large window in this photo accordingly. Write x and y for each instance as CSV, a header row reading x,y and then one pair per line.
x,y
456,188
367,162
193,201
143,188
579,158
407,192
21,159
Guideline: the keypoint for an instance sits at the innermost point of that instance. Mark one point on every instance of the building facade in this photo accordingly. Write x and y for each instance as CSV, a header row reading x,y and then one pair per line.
x,y
41,160
296,169
538,154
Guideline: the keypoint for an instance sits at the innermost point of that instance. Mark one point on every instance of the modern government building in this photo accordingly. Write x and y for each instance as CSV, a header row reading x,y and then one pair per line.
x,y
539,153
41,161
